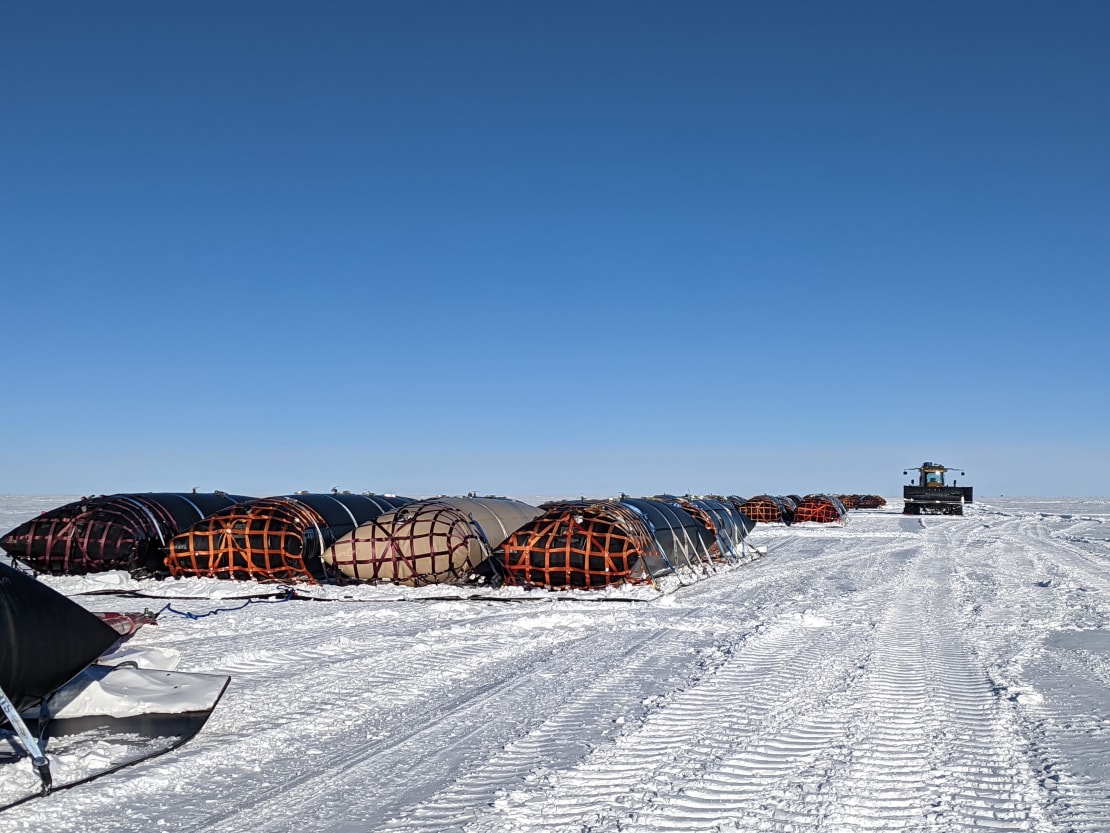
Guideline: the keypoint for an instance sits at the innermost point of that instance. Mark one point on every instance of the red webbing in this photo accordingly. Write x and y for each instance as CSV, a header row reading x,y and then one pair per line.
x,y
100,533
426,543
818,510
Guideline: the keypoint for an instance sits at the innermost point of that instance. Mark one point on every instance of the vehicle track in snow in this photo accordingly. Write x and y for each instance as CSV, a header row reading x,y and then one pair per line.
x,y
840,723
591,683
563,683
647,648
411,695
932,746
1047,611
918,674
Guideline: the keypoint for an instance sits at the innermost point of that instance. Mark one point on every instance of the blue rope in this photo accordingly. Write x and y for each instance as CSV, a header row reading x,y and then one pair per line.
x,y
169,608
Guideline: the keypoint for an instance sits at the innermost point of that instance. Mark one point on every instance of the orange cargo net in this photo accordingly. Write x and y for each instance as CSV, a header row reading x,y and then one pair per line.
x,y
763,509
580,544
269,539
423,543
822,509
849,501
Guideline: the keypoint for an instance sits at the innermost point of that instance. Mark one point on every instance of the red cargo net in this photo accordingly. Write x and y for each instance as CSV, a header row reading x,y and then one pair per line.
x,y
822,509
268,539
425,543
101,533
579,544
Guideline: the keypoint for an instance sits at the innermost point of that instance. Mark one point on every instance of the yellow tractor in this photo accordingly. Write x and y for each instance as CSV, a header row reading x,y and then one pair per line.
x,y
930,495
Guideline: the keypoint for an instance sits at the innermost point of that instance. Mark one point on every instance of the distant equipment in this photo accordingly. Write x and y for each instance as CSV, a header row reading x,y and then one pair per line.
x,y
930,495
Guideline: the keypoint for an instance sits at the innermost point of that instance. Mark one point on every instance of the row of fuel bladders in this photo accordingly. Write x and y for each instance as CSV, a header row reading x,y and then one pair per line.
x,y
347,538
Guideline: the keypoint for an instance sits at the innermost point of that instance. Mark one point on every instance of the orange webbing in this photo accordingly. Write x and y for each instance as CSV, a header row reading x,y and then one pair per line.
x,y
425,543
261,539
579,544
849,501
763,509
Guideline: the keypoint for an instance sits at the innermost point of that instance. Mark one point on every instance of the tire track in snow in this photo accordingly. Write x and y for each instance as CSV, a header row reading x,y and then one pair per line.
x,y
873,710
914,742
1093,568
842,727
1070,727
459,733
531,759
931,745
424,653
1055,686
667,775
579,719
406,690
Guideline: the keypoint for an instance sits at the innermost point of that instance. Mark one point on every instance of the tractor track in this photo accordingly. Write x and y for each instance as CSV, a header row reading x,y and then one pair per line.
x,y
422,749
834,726
683,770
925,674
1055,684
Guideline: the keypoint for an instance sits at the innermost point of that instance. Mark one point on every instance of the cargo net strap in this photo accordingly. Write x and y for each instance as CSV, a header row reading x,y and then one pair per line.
x,y
104,533
267,540
764,510
432,543
818,510
579,544
736,503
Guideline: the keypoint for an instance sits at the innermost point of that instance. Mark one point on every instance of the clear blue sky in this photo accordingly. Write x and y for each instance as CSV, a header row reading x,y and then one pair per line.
x,y
554,248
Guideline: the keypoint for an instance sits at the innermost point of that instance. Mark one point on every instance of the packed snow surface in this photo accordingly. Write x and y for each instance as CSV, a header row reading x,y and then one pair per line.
x,y
893,674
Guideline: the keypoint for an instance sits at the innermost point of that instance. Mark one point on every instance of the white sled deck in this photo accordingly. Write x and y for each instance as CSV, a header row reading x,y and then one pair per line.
x,y
105,719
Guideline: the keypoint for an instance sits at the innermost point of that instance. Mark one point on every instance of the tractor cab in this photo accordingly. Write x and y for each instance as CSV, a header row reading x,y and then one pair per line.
x,y
931,475
931,494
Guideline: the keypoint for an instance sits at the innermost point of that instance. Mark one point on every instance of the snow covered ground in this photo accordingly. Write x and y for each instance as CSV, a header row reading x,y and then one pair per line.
x,y
894,674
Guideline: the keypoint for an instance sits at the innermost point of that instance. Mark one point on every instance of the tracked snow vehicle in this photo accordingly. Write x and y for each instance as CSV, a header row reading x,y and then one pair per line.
x,y
930,495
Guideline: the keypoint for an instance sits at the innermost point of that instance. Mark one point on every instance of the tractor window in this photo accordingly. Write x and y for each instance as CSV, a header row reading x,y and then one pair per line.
x,y
934,478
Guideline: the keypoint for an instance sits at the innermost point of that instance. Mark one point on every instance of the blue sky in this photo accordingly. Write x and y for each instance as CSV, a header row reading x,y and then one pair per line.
x,y
554,248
